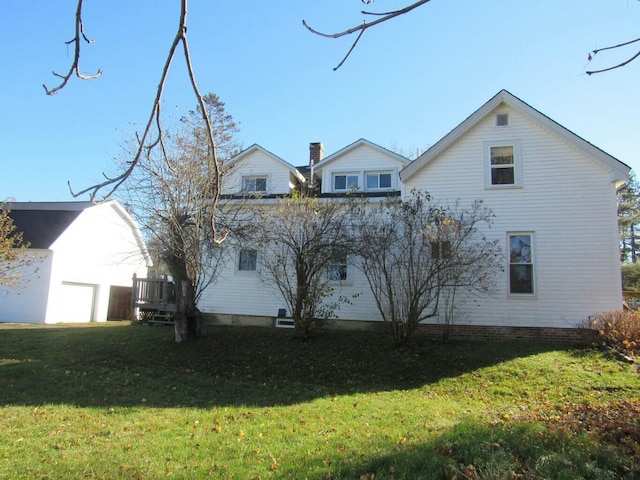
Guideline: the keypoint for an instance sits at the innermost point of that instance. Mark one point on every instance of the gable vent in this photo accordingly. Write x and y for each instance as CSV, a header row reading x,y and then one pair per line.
x,y
502,119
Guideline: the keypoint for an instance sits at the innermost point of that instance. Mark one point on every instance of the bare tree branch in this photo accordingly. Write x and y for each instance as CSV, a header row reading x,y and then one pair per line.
x,y
622,64
364,26
154,125
75,65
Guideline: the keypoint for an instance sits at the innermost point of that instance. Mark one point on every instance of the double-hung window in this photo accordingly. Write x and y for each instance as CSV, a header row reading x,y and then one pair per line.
x,y
503,165
345,181
378,180
338,269
254,184
521,271
247,260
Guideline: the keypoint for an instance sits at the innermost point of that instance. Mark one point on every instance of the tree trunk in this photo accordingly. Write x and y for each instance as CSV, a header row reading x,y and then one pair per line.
x,y
187,319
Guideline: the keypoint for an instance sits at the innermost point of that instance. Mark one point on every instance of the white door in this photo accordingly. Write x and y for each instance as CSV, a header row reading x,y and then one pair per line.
x,y
76,302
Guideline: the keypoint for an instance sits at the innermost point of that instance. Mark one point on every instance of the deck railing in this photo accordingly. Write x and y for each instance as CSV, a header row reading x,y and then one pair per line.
x,y
154,294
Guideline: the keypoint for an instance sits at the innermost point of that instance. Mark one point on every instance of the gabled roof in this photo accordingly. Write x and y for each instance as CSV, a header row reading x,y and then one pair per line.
x,y
41,223
257,148
619,170
358,143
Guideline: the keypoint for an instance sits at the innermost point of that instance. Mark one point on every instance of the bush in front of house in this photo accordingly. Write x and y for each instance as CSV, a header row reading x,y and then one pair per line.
x,y
619,330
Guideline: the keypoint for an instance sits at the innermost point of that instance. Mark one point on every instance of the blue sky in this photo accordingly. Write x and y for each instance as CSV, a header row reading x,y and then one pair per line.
x,y
406,85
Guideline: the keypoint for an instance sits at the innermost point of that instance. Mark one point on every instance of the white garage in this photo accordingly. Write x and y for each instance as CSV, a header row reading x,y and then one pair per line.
x,y
81,253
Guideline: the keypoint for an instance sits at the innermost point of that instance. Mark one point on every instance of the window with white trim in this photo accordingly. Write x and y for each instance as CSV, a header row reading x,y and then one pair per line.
x,y
521,266
345,181
247,260
503,165
377,180
338,270
254,184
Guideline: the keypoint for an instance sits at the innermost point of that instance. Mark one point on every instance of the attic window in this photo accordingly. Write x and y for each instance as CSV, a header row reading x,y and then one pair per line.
x,y
502,119
344,182
254,184
503,164
378,181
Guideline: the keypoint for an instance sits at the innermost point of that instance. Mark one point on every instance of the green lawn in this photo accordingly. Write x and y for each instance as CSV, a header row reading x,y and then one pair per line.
x,y
118,401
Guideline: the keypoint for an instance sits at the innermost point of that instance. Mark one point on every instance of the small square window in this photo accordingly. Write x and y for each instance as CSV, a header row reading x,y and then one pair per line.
x,y
247,260
441,250
502,119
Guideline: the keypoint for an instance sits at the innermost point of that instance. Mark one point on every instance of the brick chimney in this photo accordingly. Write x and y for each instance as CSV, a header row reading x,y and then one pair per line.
x,y
316,151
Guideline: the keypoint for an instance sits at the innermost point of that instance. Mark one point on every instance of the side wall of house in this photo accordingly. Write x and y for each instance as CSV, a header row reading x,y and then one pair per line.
x,y
566,201
97,251
244,293
258,164
26,302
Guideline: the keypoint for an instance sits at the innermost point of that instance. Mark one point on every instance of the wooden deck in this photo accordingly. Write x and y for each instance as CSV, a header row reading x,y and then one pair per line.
x,y
154,299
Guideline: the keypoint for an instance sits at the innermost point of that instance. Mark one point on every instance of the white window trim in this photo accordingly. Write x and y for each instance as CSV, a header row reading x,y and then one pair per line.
x,y
517,164
348,173
254,176
378,172
346,282
534,294
237,262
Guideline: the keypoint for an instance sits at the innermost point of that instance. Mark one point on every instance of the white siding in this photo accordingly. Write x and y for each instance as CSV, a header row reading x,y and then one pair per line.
x,y
258,163
239,292
244,293
26,302
567,200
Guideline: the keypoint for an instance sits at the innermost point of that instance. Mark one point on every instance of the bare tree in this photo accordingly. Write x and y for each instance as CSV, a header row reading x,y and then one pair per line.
x,y
152,135
170,197
304,242
416,254
13,250
386,16
360,29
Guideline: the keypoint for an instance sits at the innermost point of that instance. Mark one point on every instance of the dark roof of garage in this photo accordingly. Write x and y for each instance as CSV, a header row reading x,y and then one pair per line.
x,y
41,223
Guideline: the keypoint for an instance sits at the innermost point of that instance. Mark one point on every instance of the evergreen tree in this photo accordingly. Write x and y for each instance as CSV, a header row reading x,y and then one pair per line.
x,y
629,219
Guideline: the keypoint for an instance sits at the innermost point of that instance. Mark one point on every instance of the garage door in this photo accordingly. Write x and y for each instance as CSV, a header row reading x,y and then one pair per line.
x,y
76,302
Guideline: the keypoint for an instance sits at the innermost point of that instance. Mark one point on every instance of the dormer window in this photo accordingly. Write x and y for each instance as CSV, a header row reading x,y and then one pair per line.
x,y
254,184
378,181
345,181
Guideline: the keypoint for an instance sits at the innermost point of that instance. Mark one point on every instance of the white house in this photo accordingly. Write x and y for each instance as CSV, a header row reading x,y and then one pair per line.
x,y
552,192
84,257
554,199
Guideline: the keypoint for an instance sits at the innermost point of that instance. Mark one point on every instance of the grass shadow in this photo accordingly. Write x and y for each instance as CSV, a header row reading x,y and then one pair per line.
x,y
142,366
471,450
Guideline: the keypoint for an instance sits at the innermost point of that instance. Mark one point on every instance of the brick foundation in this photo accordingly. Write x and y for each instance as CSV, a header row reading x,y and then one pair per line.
x,y
578,336
566,336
